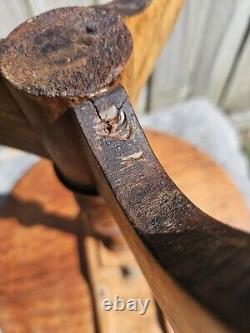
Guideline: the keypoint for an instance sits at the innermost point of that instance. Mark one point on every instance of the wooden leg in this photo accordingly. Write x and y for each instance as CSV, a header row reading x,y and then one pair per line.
x,y
41,285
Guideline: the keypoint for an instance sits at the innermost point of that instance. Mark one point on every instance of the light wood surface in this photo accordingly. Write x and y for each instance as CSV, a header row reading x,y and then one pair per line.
x,y
149,37
42,288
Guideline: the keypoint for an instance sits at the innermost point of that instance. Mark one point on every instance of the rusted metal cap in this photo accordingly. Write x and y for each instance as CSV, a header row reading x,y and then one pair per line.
x,y
66,52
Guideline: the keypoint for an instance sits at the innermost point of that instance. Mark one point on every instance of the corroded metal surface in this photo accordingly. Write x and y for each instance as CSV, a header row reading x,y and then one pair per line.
x,y
74,51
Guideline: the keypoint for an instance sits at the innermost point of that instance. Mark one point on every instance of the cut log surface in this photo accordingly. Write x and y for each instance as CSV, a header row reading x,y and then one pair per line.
x,y
42,288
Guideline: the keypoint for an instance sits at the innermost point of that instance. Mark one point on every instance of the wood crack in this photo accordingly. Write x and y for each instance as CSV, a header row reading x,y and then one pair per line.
x,y
112,121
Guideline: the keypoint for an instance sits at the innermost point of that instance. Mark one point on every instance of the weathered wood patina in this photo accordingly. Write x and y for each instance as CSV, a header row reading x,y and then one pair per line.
x,y
71,73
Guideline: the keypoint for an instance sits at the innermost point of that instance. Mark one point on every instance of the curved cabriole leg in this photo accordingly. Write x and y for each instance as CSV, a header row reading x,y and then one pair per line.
x,y
170,236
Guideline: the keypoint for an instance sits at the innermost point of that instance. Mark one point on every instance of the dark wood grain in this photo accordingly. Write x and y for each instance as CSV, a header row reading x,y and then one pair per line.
x,y
210,260
15,131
